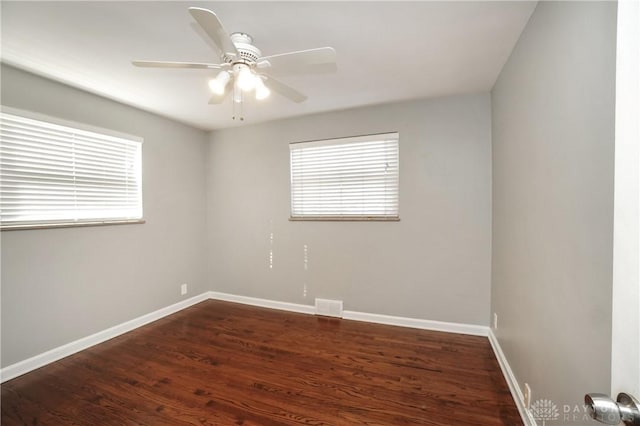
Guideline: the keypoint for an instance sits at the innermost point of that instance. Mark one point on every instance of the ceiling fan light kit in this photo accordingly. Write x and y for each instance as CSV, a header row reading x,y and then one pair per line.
x,y
242,64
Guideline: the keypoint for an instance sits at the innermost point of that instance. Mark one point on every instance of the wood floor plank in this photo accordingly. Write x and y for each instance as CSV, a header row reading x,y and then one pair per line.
x,y
220,363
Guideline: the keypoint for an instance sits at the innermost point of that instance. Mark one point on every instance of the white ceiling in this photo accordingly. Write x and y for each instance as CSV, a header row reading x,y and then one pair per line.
x,y
387,51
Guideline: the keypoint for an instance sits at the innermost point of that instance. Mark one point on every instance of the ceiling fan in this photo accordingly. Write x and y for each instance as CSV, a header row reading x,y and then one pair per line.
x,y
242,63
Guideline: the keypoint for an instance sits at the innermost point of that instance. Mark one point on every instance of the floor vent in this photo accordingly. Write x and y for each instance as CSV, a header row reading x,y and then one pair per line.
x,y
329,308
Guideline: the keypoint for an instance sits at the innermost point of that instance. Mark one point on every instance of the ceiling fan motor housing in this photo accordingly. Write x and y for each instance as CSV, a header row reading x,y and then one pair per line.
x,y
249,54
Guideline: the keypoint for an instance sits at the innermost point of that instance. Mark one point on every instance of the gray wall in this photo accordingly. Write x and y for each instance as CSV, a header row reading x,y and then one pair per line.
x,y
59,285
553,145
433,264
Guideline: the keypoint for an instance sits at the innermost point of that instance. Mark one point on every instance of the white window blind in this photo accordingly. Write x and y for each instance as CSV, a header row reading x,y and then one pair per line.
x,y
56,174
347,178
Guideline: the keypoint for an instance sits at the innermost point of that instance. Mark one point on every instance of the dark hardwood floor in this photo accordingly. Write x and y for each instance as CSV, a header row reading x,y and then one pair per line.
x,y
220,363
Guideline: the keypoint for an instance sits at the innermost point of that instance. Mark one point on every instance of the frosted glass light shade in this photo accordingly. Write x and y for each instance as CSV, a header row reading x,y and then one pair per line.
x,y
218,84
262,92
246,79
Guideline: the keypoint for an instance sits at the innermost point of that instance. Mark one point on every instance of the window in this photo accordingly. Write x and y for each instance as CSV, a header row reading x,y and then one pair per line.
x,y
352,178
54,173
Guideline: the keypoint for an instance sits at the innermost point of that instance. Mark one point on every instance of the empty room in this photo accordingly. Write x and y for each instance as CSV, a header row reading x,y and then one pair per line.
x,y
320,213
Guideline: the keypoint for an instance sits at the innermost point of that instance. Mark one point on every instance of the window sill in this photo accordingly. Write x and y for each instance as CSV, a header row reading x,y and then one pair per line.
x,y
344,219
70,224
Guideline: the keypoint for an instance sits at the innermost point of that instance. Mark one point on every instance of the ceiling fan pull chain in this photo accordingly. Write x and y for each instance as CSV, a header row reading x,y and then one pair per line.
x,y
234,102
237,101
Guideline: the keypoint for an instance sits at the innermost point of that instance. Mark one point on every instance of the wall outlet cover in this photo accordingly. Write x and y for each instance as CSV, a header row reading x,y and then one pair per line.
x,y
527,396
183,289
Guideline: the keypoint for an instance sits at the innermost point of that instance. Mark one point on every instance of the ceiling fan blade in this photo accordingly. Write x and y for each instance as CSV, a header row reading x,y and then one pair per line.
x,y
214,29
217,98
321,60
170,64
284,90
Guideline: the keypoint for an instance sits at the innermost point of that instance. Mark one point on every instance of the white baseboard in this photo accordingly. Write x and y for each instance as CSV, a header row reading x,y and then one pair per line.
x,y
514,387
449,327
30,364
263,303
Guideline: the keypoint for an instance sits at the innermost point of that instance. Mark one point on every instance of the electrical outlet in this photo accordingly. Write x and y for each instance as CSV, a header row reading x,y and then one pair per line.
x,y
527,396
183,289
495,320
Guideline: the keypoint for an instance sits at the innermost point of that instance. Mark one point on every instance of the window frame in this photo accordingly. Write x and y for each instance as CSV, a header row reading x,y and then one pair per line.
x,y
346,217
85,128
